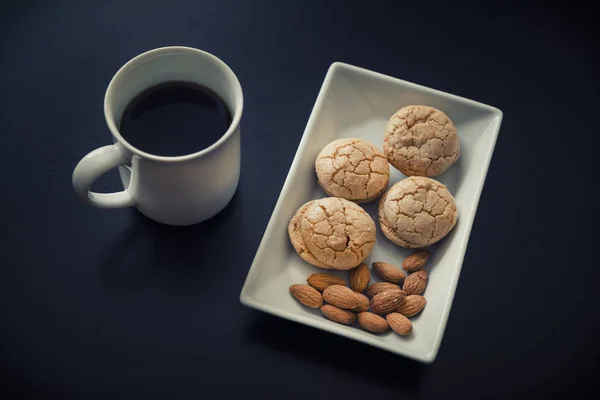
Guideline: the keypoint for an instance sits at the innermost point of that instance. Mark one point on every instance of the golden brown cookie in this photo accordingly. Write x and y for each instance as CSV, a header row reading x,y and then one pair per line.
x,y
417,212
352,169
332,233
421,141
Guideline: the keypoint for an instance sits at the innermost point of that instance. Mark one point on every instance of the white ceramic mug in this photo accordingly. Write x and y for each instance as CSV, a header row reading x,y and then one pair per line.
x,y
179,190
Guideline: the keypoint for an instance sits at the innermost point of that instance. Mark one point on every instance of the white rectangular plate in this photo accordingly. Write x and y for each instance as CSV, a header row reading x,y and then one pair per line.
x,y
354,102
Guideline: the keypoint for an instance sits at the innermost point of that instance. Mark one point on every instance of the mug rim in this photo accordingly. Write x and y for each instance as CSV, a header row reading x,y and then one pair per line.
x,y
235,121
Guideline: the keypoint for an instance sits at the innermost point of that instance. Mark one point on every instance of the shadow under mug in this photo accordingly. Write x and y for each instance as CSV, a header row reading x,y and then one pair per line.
x,y
181,190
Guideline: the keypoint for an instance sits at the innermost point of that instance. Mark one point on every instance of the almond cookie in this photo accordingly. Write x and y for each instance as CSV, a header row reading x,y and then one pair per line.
x,y
332,233
421,141
352,169
417,212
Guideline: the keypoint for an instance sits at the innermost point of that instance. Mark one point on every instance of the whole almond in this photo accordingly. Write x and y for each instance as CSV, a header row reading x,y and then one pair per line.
x,y
385,302
381,287
399,323
415,261
415,283
360,277
338,315
340,296
321,281
307,295
412,305
372,322
363,303
388,272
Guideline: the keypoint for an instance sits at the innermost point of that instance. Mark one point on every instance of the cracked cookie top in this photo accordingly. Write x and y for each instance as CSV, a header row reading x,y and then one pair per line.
x,y
421,141
337,233
295,233
352,169
417,212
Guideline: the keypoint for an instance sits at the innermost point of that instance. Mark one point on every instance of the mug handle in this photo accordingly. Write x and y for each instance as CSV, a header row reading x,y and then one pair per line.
x,y
91,167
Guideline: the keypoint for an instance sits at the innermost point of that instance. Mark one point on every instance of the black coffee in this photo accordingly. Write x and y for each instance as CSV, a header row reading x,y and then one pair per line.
x,y
174,119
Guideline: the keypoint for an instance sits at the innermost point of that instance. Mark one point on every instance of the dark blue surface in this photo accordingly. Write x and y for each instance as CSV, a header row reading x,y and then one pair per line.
x,y
106,304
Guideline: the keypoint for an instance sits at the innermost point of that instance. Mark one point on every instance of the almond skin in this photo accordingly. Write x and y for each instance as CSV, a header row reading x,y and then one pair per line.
x,y
415,261
363,303
386,302
340,296
416,282
307,295
399,323
360,277
387,272
372,322
381,287
338,315
412,305
321,281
